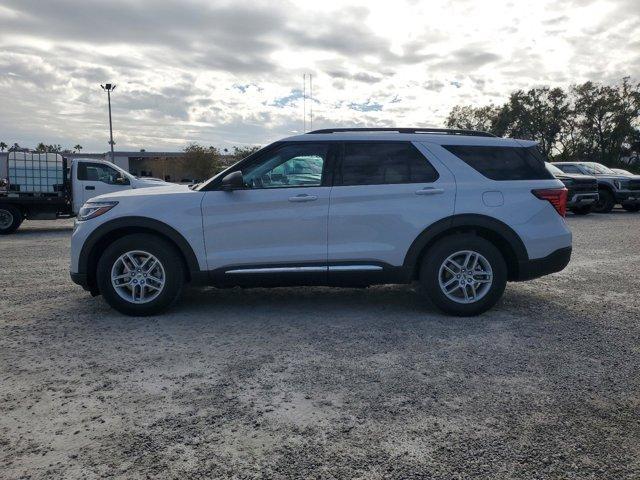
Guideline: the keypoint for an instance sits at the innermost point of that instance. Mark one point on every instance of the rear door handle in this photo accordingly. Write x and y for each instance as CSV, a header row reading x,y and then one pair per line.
x,y
303,197
89,187
429,191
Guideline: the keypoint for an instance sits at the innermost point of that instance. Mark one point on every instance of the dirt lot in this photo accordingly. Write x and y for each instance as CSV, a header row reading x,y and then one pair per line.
x,y
322,383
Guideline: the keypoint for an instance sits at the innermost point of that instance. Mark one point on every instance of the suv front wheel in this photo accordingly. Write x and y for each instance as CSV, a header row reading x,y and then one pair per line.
x,y
463,275
140,275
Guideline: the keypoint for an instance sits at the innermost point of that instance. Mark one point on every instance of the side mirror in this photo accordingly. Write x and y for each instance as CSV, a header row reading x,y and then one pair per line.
x,y
122,181
233,181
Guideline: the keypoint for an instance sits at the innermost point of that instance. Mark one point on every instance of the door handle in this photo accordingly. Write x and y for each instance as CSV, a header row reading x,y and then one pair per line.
x,y
89,187
429,191
303,197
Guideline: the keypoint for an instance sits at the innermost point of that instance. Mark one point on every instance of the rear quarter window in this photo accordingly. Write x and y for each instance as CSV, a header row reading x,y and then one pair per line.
x,y
503,163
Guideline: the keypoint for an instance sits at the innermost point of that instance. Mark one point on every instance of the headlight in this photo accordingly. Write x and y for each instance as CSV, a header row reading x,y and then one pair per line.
x,y
94,209
621,184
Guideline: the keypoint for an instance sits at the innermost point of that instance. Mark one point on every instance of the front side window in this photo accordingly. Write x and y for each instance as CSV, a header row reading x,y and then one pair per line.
x,y
503,163
380,163
297,165
96,172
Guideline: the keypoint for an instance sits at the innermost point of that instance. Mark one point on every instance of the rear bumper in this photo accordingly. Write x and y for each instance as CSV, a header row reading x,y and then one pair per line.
x,y
538,267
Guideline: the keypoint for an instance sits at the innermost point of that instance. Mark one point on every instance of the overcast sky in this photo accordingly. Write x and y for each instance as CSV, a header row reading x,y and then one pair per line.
x,y
229,73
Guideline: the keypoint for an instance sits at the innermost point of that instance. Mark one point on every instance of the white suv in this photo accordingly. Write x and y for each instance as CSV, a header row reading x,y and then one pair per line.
x,y
461,212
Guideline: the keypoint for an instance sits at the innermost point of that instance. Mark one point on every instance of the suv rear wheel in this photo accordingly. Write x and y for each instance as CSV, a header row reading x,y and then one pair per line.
x,y
463,275
140,275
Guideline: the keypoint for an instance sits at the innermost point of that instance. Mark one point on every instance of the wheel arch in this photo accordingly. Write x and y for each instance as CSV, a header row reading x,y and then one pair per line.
x,y
496,231
105,234
606,186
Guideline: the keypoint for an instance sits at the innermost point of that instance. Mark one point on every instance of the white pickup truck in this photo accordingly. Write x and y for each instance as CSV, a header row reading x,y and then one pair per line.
x,y
46,186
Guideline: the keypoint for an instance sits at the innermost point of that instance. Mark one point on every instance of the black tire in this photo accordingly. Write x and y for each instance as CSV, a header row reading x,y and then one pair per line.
x,y
165,253
631,207
436,256
584,210
605,203
10,219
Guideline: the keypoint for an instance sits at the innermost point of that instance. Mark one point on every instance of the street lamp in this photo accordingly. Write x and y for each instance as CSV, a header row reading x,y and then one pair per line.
x,y
110,87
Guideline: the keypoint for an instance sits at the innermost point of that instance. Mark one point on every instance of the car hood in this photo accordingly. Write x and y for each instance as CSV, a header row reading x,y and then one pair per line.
x,y
575,176
145,182
169,189
618,177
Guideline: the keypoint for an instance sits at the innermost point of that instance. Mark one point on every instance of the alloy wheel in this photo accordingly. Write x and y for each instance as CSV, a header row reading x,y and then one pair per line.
x,y
465,276
138,276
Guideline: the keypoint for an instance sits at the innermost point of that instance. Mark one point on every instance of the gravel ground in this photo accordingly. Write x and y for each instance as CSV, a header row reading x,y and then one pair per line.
x,y
323,383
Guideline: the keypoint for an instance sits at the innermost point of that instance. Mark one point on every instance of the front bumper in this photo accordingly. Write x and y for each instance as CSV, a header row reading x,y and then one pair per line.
x,y
627,196
582,199
80,279
83,280
538,267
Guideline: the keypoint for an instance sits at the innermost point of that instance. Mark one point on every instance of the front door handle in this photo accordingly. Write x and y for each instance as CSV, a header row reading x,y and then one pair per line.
x,y
303,197
429,191
89,187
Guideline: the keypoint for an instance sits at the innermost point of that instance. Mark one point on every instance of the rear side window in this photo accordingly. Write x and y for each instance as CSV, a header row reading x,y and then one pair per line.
x,y
380,163
503,163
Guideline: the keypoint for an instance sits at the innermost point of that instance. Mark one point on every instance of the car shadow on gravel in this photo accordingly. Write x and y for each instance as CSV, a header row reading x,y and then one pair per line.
x,y
26,232
313,305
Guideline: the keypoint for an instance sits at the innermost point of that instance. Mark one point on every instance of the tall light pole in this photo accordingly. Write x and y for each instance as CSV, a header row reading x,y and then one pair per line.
x,y
110,87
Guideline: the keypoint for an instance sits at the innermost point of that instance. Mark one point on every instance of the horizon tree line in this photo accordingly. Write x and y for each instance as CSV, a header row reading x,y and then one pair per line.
x,y
42,148
586,122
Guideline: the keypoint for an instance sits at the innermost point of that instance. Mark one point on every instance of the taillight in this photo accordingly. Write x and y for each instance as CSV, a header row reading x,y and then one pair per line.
x,y
555,196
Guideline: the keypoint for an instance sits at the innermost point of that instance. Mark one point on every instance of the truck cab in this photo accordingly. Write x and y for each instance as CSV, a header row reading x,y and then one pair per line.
x,y
90,178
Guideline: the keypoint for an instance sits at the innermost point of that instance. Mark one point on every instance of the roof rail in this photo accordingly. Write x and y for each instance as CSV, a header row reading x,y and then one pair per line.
x,y
440,131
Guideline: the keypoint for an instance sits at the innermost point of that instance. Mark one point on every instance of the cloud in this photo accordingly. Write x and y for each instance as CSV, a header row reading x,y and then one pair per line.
x,y
367,106
224,72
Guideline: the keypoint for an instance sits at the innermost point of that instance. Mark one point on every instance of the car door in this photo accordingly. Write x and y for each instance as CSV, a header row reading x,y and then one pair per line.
x,y
385,194
98,178
277,224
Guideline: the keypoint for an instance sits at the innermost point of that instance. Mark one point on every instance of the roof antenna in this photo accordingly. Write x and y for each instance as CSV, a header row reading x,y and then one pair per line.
x,y
311,98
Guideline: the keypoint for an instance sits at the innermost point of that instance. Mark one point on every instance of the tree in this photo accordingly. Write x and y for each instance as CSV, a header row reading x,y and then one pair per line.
x,y
485,119
245,151
538,114
606,117
55,148
201,161
41,148
3,146
77,148
585,122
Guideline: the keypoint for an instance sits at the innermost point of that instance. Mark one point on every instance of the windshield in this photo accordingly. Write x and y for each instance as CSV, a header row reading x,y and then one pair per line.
x,y
553,169
597,168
